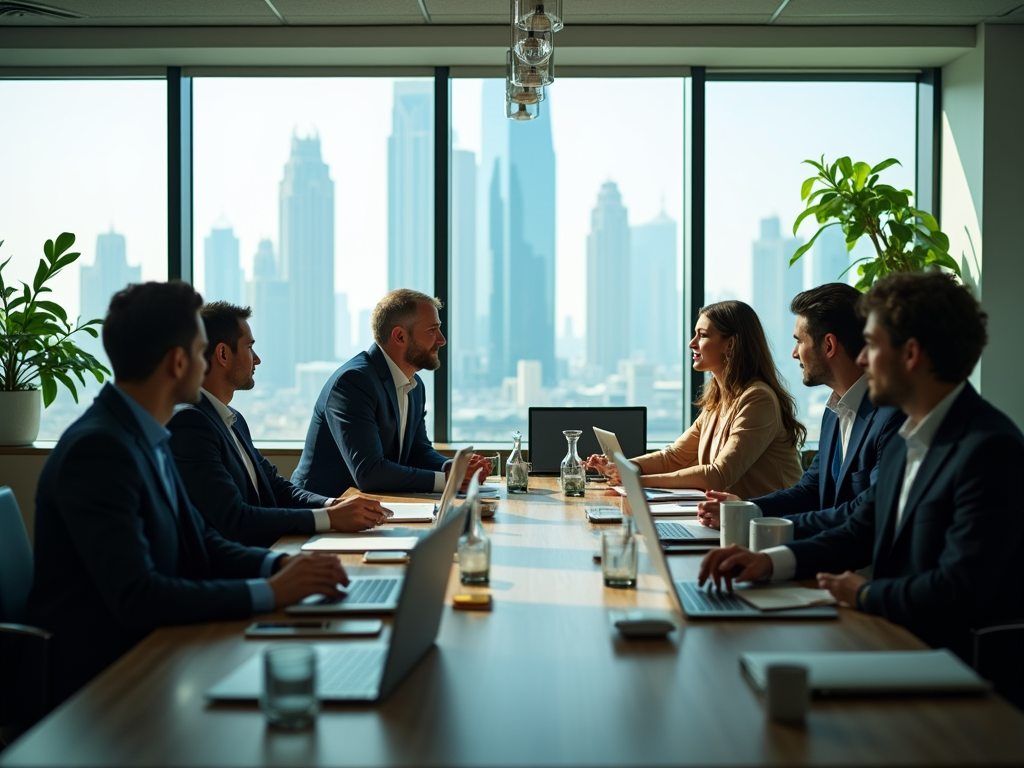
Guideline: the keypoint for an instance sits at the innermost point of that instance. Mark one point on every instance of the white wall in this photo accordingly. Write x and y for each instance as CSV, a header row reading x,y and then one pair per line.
x,y
982,173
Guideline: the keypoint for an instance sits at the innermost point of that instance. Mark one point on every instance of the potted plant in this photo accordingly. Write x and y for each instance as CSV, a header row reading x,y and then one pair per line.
x,y
905,238
36,350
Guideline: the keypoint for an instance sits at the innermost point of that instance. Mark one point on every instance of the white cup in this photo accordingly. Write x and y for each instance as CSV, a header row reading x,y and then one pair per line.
x,y
734,519
768,532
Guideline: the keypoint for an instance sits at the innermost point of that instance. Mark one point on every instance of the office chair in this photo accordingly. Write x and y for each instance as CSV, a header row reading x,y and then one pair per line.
x,y
24,650
998,657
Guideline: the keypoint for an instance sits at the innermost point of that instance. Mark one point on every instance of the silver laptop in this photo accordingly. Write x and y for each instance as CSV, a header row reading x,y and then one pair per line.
x,y
371,671
691,600
428,512
669,531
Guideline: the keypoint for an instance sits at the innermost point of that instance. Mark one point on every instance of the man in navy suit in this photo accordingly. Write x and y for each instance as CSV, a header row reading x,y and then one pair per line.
x,y
119,550
369,424
939,528
829,336
232,484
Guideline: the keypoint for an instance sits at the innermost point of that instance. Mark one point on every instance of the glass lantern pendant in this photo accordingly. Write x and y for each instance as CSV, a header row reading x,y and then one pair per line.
x,y
529,76
515,111
532,47
538,15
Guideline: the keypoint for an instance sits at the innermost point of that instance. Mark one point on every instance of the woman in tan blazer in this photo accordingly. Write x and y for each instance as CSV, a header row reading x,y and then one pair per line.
x,y
745,439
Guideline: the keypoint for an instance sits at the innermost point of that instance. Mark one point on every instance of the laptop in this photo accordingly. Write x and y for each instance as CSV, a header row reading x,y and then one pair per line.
x,y
547,443
669,532
428,512
861,673
691,600
361,671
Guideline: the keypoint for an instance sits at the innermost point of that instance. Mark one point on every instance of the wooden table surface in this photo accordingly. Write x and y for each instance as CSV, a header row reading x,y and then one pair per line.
x,y
541,680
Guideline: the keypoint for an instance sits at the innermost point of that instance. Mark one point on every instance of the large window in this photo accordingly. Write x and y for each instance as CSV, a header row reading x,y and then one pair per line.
x,y
87,157
758,134
313,198
566,245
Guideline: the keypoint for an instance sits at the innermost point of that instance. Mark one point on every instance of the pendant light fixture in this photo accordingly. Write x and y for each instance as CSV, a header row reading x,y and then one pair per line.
x,y
529,62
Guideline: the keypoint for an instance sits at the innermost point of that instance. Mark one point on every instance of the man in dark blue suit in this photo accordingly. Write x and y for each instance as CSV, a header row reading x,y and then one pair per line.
x,y
369,424
119,550
829,336
232,484
939,528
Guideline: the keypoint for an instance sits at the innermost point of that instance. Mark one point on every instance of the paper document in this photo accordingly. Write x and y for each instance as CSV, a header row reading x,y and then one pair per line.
x,y
410,512
661,495
682,508
780,597
359,542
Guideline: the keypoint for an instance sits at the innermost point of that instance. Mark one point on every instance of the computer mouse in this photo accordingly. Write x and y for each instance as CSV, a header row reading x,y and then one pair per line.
x,y
634,623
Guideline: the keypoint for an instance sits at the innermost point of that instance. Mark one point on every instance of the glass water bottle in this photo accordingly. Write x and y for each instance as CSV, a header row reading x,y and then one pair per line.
x,y
475,551
517,475
573,477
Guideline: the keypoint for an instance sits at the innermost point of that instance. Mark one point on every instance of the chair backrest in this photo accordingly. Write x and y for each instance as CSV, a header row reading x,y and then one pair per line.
x,y
15,560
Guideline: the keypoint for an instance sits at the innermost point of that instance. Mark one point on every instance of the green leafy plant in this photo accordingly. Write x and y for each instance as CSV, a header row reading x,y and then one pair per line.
x,y
905,238
36,350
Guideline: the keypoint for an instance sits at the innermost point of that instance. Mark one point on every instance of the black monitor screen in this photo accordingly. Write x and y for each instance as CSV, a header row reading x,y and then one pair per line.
x,y
548,444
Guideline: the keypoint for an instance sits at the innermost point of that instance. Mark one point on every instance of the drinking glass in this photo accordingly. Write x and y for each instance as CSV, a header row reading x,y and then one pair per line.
x,y
289,686
618,556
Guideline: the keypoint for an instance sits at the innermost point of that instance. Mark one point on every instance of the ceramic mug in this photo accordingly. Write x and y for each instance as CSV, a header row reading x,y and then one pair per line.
x,y
734,519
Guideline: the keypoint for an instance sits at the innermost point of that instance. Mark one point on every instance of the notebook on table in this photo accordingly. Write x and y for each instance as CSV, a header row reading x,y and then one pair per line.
x,y
371,671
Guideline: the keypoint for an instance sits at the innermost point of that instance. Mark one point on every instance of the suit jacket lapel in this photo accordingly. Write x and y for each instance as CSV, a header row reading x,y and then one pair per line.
x,y
206,407
829,428
265,490
412,418
861,423
380,364
887,496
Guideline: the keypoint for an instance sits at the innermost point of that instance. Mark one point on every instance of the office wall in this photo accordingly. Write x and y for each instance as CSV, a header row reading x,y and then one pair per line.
x,y
982,168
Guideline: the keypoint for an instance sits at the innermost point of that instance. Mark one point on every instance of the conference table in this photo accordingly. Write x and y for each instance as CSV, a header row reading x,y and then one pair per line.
x,y
542,679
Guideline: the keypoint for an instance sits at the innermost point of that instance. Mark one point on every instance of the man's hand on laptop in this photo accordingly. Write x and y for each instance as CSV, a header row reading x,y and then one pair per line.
x,y
357,513
733,563
707,511
303,575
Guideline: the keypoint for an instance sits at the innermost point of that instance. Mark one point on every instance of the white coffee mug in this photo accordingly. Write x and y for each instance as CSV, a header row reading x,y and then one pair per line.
x,y
768,532
734,519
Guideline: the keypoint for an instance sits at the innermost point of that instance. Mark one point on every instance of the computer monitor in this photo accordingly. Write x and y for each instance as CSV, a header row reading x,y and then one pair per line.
x,y
547,443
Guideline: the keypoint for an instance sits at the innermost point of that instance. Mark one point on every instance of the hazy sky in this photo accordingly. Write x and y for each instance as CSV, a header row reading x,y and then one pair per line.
x,y
85,156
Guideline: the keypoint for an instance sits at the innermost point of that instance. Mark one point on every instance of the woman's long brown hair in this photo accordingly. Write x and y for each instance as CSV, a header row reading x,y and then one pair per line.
x,y
748,359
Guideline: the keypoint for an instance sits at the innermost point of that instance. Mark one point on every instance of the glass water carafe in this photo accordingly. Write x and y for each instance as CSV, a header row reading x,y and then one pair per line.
x,y
517,474
573,477
475,550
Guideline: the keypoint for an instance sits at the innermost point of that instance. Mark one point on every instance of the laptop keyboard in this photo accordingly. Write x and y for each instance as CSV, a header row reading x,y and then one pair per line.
x,y
351,670
670,530
697,599
361,591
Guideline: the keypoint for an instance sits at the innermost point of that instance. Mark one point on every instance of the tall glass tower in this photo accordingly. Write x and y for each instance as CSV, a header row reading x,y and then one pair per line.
x,y
222,272
411,188
108,274
307,252
654,297
518,226
608,277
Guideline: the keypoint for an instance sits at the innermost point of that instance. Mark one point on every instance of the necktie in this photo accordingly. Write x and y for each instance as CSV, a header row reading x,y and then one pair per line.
x,y
837,456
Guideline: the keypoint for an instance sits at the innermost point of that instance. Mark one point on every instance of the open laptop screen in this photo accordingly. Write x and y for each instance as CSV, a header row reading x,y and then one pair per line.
x,y
547,443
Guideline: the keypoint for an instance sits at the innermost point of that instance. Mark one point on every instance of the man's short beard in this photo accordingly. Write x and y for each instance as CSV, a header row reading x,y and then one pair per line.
x,y
421,358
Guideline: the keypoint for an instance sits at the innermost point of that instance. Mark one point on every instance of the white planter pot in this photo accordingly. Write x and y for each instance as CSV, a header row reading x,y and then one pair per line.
x,y
19,416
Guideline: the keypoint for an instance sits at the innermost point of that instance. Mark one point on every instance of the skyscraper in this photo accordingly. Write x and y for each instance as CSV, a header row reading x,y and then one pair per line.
x,y
829,257
411,188
223,272
307,251
108,274
517,223
608,293
775,285
342,327
653,292
462,307
271,318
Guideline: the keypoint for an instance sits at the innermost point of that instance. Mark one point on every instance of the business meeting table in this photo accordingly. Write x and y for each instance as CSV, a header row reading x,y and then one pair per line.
x,y
543,679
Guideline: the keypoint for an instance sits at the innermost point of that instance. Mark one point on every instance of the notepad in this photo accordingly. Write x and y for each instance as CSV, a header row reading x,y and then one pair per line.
x,y
682,508
781,597
359,542
410,512
661,495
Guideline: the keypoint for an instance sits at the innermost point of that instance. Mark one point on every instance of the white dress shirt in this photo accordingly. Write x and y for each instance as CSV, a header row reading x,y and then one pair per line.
x,y
321,519
845,408
404,385
918,437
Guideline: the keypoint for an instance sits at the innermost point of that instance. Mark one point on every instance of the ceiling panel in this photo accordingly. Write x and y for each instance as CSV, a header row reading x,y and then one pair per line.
x,y
136,13
893,11
350,11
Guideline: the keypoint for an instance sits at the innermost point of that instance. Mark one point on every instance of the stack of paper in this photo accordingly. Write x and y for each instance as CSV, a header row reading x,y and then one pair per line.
x,y
661,495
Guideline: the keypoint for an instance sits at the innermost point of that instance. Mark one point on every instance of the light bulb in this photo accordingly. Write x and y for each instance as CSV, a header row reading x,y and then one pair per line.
x,y
533,48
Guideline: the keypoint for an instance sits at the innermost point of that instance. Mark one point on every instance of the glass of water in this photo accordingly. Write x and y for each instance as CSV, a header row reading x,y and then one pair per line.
x,y
618,556
289,686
